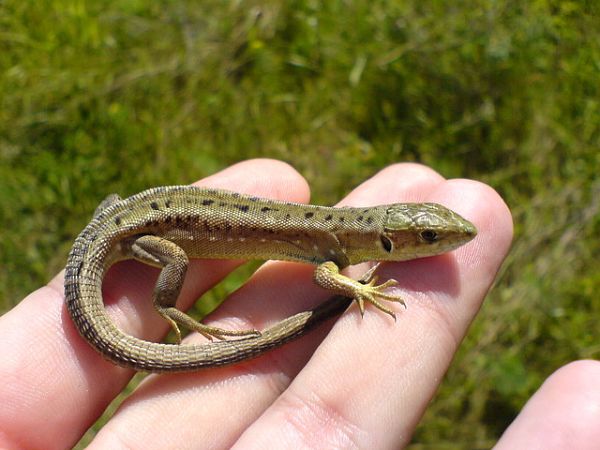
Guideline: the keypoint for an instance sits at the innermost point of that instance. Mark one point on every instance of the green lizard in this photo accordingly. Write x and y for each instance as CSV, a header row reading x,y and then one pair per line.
x,y
165,226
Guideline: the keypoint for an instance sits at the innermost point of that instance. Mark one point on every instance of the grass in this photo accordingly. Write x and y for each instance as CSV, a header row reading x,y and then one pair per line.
x,y
99,97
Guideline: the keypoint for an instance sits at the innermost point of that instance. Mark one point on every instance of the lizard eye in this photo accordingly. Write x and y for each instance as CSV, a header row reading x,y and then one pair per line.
x,y
386,243
429,235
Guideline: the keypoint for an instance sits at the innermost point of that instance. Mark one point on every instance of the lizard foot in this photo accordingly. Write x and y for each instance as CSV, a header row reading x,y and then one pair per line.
x,y
328,276
372,293
176,317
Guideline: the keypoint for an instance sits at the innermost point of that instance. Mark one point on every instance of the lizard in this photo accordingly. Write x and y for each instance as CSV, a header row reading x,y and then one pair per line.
x,y
166,226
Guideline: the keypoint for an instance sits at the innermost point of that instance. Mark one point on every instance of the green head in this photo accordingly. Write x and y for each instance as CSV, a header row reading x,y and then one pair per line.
x,y
415,230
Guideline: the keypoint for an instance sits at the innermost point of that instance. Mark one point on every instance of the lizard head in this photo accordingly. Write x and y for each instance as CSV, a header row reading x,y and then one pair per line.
x,y
415,230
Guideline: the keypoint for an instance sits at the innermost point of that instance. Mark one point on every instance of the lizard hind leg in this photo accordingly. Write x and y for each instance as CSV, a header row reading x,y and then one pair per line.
x,y
173,261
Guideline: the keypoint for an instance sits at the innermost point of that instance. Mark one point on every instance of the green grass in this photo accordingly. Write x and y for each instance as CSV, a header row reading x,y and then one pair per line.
x,y
99,97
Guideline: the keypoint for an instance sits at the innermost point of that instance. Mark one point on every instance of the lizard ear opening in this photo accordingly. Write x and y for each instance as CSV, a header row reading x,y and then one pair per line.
x,y
386,243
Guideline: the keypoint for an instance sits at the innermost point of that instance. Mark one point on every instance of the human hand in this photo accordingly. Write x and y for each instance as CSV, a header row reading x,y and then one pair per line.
x,y
366,385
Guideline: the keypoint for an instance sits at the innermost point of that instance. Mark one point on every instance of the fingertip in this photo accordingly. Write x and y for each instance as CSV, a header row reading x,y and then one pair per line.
x,y
475,196
265,177
485,208
400,182
564,409
410,170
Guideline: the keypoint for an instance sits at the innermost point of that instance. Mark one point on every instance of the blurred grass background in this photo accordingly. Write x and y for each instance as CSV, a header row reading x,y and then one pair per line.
x,y
100,97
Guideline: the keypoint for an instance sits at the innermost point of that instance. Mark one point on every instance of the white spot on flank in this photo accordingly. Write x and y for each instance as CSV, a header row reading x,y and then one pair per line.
x,y
315,247
242,239
263,240
212,238
297,242
331,251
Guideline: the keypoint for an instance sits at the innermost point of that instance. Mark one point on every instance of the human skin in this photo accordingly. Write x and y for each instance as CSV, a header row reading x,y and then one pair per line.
x,y
355,382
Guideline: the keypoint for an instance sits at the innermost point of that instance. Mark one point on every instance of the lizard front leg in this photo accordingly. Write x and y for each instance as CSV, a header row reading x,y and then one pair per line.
x,y
159,252
328,276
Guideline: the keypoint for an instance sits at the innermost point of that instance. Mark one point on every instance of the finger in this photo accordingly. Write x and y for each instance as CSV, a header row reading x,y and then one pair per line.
x,y
276,291
53,381
563,413
370,381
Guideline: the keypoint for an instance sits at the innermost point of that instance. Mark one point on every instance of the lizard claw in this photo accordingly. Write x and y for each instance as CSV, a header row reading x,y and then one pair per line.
x,y
374,293
361,306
